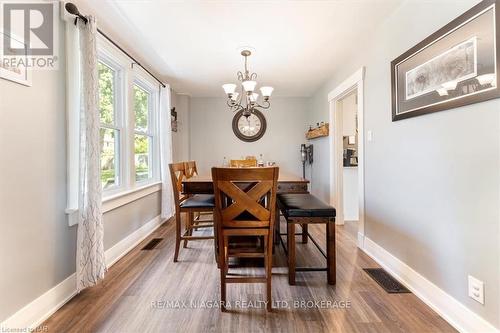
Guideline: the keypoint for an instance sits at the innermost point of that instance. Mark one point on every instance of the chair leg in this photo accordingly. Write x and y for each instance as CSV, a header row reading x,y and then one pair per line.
x,y
330,252
277,227
189,226
223,288
268,258
226,253
177,234
216,248
304,233
291,252
223,264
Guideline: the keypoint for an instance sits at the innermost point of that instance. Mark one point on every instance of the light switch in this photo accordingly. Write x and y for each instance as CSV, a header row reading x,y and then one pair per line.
x,y
369,136
476,289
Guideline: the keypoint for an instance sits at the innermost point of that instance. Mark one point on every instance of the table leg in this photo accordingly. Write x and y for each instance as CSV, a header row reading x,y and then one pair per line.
x,y
304,233
277,226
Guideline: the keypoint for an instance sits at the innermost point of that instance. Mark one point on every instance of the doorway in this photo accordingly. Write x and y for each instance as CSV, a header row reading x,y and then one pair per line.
x,y
349,110
347,154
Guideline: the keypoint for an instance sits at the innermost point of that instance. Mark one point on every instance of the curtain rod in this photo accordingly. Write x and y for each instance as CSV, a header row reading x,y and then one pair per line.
x,y
73,10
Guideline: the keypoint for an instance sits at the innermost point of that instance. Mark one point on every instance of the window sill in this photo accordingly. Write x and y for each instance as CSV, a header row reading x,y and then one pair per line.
x,y
117,200
123,198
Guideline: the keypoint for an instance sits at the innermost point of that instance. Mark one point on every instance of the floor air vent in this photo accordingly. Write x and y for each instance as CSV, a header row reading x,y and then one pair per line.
x,y
152,244
386,281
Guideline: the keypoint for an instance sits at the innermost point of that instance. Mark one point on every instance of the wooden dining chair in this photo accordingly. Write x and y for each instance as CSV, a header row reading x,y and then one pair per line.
x,y
190,171
189,205
245,203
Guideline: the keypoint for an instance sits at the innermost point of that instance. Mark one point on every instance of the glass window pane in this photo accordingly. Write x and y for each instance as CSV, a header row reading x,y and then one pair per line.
x,y
141,108
142,148
106,93
109,157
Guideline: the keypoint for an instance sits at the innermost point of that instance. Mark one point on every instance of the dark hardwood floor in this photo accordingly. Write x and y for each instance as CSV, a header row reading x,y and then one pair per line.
x,y
145,291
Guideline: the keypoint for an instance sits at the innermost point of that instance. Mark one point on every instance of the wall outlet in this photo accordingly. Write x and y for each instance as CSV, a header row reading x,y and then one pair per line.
x,y
476,289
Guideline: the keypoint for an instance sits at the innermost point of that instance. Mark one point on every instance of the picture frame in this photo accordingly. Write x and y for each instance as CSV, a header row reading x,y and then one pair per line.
x,y
455,66
173,118
21,74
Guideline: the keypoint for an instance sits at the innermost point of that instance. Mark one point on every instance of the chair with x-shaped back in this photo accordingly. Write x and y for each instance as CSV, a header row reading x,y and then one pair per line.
x,y
245,204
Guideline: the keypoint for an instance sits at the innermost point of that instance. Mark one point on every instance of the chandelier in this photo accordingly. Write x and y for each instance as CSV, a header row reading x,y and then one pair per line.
x,y
247,100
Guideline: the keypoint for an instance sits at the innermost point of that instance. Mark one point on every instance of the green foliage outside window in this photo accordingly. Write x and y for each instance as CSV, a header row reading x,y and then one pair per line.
x,y
106,96
108,137
141,108
141,142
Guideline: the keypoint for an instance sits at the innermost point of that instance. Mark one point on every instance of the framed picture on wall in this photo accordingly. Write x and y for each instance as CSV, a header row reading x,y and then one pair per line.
x,y
173,117
455,66
14,69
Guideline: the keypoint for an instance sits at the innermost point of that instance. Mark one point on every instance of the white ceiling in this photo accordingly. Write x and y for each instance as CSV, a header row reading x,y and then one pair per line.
x,y
195,44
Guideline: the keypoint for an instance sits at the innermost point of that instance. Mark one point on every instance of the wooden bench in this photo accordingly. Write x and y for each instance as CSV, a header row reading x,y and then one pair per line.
x,y
304,209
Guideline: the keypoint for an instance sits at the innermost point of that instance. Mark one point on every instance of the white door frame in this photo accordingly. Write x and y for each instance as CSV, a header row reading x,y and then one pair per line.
x,y
354,82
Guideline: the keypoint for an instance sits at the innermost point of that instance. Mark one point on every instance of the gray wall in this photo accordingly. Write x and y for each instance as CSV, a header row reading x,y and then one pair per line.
x,y
121,222
37,247
432,182
180,139
212,137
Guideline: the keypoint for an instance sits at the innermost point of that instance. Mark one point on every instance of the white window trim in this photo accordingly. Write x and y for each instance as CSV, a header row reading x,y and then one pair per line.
x,y
123,198
152,88
131,75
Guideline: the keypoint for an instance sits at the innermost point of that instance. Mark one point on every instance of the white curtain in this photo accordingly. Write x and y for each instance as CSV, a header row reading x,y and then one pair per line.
x,y
72,119
167,197
90,263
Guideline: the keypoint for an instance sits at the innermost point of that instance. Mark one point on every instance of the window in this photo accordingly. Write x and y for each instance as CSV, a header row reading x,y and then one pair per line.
x,y
128,107
110,129
143,134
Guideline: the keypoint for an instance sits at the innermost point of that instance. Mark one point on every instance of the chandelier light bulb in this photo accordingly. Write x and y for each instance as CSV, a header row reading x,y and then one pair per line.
x,y
229,88
266,91
253,97
249,86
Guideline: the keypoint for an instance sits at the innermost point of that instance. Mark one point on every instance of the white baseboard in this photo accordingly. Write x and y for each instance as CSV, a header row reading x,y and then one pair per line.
x,y
361,240
121,248
33,314
454,312
36,312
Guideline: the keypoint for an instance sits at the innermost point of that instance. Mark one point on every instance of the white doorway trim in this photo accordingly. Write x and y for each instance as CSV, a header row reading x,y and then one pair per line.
x,y
354,82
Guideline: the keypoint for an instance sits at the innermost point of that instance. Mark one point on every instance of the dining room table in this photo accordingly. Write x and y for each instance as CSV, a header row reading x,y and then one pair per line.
x,y
202,184
287,183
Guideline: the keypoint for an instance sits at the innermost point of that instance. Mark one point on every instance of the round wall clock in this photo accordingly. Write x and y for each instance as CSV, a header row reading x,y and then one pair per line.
x,y
249,128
